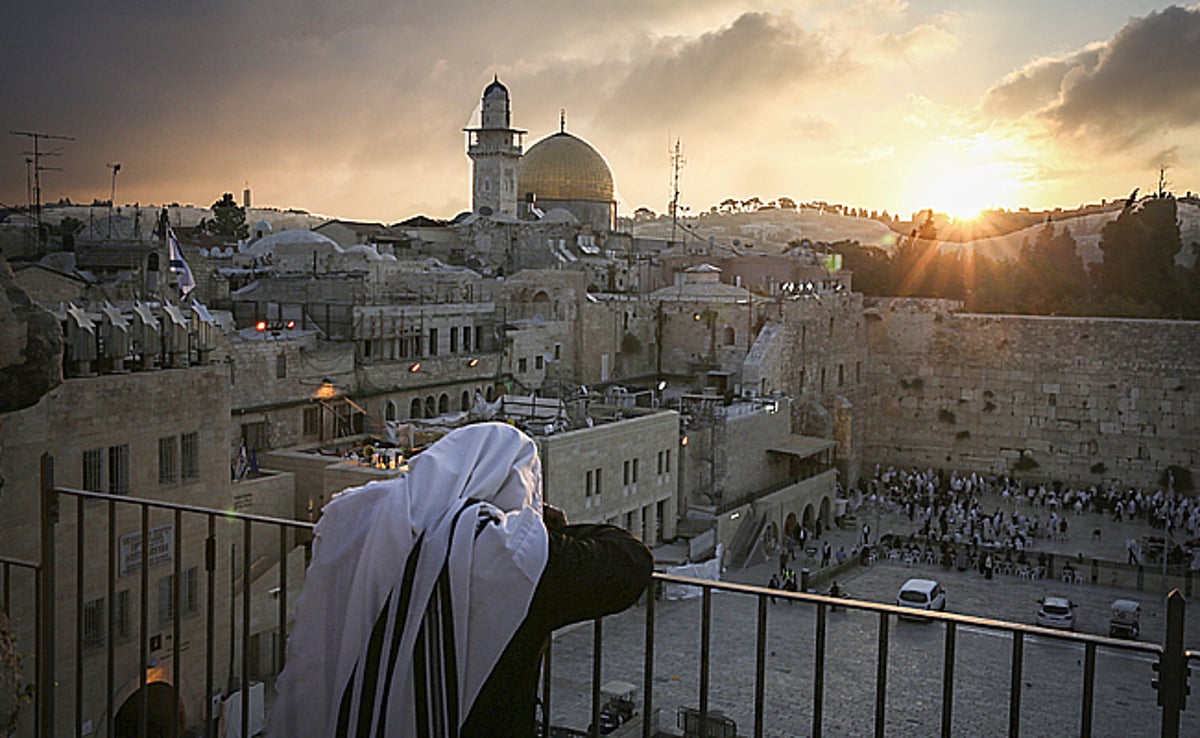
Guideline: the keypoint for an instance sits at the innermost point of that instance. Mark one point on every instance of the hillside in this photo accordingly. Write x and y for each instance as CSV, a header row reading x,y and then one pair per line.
x,y
769,231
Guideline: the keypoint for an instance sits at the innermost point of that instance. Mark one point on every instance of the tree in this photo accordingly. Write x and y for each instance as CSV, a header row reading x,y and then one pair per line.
x,y
1139,249
787,203
1051,273
229,219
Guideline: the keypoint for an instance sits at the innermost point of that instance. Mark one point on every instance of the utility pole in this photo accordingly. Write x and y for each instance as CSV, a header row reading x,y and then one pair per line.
x,y
37,154
677,162
112,195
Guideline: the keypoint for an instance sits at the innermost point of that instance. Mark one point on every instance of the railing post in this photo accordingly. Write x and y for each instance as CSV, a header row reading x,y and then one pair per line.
x,y
1172,668
45,656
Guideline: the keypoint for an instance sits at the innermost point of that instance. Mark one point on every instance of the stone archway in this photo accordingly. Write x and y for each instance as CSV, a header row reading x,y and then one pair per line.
x,y
790,524
825,516
159,697
771,535
809,518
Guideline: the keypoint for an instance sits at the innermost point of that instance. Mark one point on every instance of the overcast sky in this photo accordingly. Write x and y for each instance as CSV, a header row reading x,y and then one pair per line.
x,y
354,108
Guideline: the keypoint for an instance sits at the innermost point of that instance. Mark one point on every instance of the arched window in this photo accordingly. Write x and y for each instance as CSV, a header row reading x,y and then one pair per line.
x,y
430,406
464,401
730,336
444,403
414,410
487,395
389,412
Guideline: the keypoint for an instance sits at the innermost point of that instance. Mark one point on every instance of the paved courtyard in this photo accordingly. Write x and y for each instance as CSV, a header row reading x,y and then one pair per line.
x,y
1052,675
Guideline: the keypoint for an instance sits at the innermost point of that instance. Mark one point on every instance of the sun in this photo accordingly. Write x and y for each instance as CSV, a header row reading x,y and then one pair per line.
x,y
963,177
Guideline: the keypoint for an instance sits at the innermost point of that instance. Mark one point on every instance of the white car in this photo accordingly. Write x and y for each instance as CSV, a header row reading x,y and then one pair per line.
x,y
922,594
1056,612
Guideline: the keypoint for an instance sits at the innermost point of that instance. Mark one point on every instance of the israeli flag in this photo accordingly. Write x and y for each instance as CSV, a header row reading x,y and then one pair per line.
x,y
179,265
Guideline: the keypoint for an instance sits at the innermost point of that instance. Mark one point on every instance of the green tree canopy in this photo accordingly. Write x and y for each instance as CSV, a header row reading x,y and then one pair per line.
x,y
1139,250
229,219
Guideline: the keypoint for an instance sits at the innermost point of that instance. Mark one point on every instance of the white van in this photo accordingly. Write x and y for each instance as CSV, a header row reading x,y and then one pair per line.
x,y
922,594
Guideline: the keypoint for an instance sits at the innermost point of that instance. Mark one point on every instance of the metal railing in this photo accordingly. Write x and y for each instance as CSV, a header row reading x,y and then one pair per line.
x,y
194,534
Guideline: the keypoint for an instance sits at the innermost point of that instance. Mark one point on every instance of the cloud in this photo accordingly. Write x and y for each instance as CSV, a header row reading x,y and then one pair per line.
x,y
1140,83
925,41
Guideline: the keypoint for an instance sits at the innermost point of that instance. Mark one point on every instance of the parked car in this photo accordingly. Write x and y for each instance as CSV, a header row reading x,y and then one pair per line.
x,y
1056,612
1125,617
922,594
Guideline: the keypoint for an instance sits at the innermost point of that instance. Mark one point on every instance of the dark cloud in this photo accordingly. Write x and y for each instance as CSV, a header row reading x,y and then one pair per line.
x,y
1141,82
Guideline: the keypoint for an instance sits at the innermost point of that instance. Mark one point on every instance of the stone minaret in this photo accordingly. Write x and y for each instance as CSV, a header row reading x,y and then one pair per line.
x,y
495,151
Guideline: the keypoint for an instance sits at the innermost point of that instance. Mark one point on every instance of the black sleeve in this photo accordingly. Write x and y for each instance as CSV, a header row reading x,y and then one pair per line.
x,y
592,570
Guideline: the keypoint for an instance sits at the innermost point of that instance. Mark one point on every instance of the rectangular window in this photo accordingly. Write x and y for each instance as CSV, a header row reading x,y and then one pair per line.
x,y
598,481
189,443
453,339
466,334
118,469
255,436
93,623
93,470
121,618
557,351
312,419
668,461
479,338
168,462
625,472
281,366
522,365
539,362
587,489
841,374
191,591
635,466
433,342
660,462
166,599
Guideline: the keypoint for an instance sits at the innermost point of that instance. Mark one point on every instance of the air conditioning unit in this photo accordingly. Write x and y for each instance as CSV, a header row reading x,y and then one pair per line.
x,y
145,335
175,336
80,333
114,338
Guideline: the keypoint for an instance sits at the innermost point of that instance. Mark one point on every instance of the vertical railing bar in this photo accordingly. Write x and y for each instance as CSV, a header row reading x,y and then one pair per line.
x,y
1014,703
281,647
177,611
948,680
1089,689
760,666
819,672
547,656
78,728
38,637
881,676
110,658
648,671
245,627
705,635
210,568
144,646
597,644
46,643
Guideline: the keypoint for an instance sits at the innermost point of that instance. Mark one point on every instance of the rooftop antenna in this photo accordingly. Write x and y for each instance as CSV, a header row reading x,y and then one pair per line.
x,y
677,162
38,137
112,195
562,120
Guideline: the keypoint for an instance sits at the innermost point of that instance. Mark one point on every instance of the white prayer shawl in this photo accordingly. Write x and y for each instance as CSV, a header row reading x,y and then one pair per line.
x,y
416,586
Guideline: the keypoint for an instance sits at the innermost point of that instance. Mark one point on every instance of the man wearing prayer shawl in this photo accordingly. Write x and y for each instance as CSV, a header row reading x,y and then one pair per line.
x,y
430,596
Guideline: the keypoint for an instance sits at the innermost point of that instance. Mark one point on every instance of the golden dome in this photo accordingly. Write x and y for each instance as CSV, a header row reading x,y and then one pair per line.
x,y
563,167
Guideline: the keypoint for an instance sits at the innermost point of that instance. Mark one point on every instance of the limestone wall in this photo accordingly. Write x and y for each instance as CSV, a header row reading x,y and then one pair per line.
x,y
1084,400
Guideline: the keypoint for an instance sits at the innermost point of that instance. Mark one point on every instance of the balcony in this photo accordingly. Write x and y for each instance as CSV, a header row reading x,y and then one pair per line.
x,y
102,665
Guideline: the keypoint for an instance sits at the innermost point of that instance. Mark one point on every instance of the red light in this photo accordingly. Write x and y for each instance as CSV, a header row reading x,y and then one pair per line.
x,y
291,324
416,367
260,326
473,362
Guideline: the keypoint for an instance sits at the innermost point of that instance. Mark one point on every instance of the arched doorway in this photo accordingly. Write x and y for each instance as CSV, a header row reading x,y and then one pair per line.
x,y
771,535
464,401
808,518
160,697
430,407
443,404
790,524
824,516
414,410
390,411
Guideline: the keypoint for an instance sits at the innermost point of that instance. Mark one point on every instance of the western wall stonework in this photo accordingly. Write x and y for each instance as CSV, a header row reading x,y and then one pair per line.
x,y
1081,400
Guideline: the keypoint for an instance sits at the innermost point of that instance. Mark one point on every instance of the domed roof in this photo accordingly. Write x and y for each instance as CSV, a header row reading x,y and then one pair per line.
x,y
495,87
564,167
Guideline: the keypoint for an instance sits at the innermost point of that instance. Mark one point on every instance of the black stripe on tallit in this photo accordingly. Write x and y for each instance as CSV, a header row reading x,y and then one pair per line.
x,y
429,668
406,587
375,643
449,655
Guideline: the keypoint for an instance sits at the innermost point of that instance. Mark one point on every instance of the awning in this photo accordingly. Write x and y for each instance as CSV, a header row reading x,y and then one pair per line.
x,y
802,446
